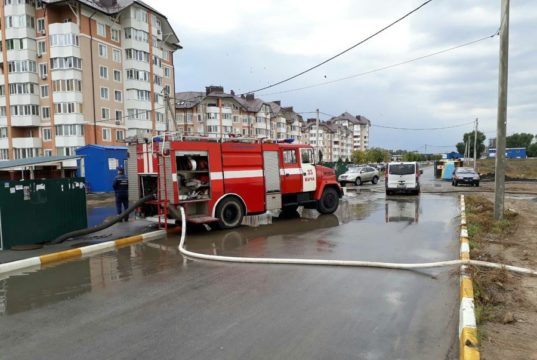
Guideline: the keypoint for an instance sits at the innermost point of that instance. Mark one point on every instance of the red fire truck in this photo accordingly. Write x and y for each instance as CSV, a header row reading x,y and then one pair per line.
x,y
221,180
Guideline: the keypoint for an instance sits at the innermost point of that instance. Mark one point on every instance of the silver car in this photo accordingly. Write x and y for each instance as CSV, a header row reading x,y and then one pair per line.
x,y
465,175
359,175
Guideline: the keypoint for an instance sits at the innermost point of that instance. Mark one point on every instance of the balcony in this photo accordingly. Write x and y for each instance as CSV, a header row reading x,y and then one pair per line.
x,y
25,121
68,141
27,142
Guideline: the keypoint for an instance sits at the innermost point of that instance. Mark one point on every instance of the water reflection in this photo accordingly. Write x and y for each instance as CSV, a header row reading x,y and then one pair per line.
x,y
402,209
71,279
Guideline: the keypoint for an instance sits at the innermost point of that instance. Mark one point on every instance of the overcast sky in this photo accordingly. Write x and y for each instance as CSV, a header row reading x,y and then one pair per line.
x,y
245,45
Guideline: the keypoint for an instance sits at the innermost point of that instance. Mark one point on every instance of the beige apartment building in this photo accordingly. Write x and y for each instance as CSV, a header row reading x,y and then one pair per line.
x,y
82,72
214,113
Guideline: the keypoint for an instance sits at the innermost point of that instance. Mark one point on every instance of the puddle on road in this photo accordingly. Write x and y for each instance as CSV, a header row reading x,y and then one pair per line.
x,y
423,224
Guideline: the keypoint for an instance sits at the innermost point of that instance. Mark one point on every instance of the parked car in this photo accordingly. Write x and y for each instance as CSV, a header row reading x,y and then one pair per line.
x,y
403,177
359,175
465,175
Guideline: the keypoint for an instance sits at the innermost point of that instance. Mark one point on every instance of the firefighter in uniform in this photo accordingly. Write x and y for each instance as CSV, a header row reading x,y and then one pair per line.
x,y
121,188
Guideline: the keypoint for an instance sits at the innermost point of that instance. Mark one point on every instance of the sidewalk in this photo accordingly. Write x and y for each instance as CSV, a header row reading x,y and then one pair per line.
x,y
116,231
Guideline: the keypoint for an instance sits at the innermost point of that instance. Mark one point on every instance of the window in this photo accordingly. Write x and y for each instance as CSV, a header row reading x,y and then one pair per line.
x,y
117,95
44,91
103,72
45,112
140,55
47,152
41,47
68,108
19,66
22,88
289,156
20,21
107,134
101,29
4,154
69,62
69,130
116,55
117,75
3,132
105,114
138,35
120,135
64,40
43,70
104,93
167,72
24,110
66,151
41,25
67,85
307,156
119,117
103,50
115,35
47,134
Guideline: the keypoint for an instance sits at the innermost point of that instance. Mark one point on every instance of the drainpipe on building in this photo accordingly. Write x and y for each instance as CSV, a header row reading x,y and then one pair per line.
x,y
93,80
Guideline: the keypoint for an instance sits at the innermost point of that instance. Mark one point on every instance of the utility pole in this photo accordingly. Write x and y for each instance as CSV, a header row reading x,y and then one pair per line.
x,y
475,145
499,191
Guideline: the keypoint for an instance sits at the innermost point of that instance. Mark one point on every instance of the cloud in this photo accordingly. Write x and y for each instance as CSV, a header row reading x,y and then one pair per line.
x,y
243,46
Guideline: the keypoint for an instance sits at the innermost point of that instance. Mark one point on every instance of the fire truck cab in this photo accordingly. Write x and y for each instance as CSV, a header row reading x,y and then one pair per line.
x,y
222,180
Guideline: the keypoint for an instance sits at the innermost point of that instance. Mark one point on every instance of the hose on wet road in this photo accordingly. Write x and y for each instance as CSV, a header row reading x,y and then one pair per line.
x,y
104,225
352,263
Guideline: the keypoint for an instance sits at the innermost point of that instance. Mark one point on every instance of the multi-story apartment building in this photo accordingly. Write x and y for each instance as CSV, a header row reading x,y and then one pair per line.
x,y
215,113
359,125
334,140
81,72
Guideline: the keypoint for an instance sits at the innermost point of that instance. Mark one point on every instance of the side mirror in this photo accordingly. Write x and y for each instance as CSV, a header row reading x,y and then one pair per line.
x,y
320,156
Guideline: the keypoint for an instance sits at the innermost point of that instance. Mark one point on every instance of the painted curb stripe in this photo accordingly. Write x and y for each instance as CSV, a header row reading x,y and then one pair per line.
x,y
59,256
77,253
19,265
468,344
467,288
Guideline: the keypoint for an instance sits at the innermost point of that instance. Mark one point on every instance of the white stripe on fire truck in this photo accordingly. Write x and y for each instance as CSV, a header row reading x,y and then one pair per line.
x,y
292,171
236,174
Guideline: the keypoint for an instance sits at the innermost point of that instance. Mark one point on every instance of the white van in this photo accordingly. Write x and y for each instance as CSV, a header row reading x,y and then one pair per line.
x,y
403,177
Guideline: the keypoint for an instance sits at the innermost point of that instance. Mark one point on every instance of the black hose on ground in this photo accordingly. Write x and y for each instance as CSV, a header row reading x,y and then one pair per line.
x,y
104,225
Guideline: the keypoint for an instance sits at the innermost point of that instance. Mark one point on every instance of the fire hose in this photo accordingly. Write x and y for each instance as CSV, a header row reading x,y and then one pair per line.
x,y
104,225
351,263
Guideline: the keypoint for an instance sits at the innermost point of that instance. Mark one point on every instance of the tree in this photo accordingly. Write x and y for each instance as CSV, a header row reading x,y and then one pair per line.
x,y
519,140
532,150
469,138
377,155
358,157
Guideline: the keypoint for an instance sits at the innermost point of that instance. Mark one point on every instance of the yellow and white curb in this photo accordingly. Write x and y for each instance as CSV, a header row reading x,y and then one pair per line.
x,y
468,344
38,261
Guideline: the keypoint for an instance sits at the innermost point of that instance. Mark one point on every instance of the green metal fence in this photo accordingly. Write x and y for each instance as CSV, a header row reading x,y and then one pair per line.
x,y
36,211
340,167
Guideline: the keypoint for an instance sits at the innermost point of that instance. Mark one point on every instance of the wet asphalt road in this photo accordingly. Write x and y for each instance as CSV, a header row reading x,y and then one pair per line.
x,y
147,302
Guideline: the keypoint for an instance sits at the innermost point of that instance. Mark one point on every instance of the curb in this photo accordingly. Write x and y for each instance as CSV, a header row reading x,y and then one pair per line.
x,y
468,343
39,261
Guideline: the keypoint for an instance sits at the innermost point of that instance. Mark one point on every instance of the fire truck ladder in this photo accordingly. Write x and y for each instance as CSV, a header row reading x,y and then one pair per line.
x,y
162,151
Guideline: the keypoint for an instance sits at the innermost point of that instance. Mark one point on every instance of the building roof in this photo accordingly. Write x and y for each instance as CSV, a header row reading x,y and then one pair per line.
x,y
112,7
101,147
188,99
36,161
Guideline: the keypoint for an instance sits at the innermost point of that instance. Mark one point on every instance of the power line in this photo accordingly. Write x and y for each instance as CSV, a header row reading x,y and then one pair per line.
x,y
423,129
383,67
342,52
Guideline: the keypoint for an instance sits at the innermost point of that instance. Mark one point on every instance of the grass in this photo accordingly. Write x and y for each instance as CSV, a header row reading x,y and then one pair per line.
x,y
515,168
482,228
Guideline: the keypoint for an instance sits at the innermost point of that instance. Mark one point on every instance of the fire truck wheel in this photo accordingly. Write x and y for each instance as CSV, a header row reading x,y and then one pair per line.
x,y
229,213
329,201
